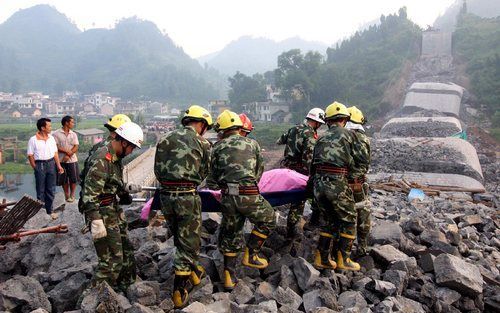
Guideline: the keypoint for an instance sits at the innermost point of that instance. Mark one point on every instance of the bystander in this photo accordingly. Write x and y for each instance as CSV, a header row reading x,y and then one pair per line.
x,y
44,159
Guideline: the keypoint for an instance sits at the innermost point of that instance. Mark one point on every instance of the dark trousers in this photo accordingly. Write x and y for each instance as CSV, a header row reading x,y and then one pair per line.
x,y
45,181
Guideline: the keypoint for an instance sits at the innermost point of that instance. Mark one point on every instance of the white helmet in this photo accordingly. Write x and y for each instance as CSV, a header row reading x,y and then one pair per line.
x,y
132,133
317,115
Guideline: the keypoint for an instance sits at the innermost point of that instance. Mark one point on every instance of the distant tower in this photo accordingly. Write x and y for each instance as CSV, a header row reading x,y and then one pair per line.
x,y
464,7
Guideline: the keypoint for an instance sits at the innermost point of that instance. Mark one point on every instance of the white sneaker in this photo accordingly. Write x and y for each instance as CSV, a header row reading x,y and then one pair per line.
x,y
54,216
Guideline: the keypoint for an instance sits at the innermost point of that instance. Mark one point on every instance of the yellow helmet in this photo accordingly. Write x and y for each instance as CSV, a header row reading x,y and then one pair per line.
x,y
117,121
197,113
356,115
336,109
228,120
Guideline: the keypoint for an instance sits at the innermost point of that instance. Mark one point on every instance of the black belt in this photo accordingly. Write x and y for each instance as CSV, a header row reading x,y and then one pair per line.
x,y
327,169
178,184
106,199
44,161
244,190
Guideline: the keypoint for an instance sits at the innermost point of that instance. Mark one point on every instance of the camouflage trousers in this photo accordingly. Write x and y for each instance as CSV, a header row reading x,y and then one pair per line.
x,y
116,261
297,210
363,216
235,211
182,211
336,204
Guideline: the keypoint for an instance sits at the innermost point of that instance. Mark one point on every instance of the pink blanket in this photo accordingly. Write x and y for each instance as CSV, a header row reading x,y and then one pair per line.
x,y
272,181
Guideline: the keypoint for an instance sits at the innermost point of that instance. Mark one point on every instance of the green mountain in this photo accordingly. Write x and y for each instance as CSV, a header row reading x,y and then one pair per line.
x,y
481,8
251,55
477,44
356,72
40,49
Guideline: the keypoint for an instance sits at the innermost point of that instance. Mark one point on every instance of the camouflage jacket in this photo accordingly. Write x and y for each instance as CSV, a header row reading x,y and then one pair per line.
x,y
182,155
104,176
362,152
94,148
335,148
235,159
299,141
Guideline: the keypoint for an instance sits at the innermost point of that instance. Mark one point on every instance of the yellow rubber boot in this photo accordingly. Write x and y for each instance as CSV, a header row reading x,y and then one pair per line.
x,y
180,295
344,261
197,275
251,257
322,259
230,279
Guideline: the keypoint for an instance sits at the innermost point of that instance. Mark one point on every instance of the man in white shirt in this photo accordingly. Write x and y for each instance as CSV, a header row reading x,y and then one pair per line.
x,y
67,144
44,159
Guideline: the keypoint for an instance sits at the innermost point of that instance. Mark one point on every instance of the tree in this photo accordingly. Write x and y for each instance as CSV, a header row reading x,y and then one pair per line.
x,y
245,89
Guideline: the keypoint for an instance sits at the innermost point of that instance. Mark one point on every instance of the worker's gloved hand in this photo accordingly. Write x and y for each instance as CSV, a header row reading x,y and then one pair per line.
x,y
133,188
125,198
98,229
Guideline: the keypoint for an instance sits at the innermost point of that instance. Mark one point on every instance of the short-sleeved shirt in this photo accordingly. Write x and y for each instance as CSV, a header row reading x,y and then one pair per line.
x,y
66,141
42,149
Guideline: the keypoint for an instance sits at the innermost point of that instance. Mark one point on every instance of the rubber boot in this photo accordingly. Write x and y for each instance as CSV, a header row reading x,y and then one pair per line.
x,y
322,259
344,261
180,295
251,257
197,274
230,279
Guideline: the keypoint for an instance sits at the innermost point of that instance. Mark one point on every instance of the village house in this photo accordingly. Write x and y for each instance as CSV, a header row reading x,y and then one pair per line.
x,y
216,107
90,135
278,112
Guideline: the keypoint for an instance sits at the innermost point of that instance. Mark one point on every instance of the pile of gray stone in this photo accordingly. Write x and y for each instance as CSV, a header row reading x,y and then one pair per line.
x,y
392,156
419,129
441,254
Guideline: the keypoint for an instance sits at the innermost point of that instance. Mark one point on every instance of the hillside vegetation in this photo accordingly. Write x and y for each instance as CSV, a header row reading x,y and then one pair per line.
x,y
477,43
356,72
40,49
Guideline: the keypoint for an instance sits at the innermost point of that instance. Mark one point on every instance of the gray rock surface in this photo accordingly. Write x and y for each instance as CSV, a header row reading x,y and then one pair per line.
x,y
457,274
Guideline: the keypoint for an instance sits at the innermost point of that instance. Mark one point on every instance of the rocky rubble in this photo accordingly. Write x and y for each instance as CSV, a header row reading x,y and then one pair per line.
x,y
419,129
438,255
391,156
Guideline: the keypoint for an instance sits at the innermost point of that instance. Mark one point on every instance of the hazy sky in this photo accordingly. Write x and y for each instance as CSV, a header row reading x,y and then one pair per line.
x,y
205,26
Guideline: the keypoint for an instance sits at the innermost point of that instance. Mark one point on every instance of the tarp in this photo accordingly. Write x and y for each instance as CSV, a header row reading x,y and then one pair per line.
x,y
278,186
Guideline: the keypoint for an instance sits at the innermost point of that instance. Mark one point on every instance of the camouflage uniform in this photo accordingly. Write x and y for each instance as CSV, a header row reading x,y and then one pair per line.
x,y
360,189
238,160
83,173
181,164
103,181
299,141
332,191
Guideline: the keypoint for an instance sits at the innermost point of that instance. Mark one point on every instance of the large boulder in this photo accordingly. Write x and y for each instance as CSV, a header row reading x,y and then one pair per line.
x,y
64,295
23,294
458,275
386,232
305,273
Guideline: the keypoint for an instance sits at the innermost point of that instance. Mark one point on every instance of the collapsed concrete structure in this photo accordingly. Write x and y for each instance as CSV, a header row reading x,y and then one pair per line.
x,y
435,126
443,97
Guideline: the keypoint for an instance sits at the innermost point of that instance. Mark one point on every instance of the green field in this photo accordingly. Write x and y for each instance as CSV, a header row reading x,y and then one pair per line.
x,y
24,131
15,168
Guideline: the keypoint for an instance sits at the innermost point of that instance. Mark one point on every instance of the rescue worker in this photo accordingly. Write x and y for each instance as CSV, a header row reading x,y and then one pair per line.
x,y
247,127
357,178
300,141
181,163
112,124
333,158
103,182
236,168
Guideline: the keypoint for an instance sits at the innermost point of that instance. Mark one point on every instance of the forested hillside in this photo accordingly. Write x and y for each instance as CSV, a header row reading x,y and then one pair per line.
x,y
40,49
355,72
